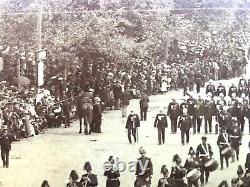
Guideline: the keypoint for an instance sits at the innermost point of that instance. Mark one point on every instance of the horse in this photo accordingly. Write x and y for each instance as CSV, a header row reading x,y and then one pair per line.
x,y
85,111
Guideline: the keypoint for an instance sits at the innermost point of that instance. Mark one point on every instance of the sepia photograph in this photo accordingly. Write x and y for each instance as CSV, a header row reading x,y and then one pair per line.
x,y
125,93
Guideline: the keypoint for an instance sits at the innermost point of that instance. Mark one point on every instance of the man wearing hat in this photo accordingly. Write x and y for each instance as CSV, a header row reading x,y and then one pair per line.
x,y
66,111
210,88
204,152
221,89
97,116
241,112
173,113
209,112
112,173
161,123
133,122
89,179
241,90
224,119
223,142
185,123
192,162
232,89
144,106
5,141
73,177
236,136
143,177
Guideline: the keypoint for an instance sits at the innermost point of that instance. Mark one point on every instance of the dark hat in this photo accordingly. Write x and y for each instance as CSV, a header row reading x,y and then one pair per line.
x,y
111,158
240,170
191,151
74,175
164,170
87,166
234,180
176,158
204,138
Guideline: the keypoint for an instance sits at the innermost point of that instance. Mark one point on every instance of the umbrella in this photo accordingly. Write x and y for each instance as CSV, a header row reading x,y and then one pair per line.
x,y
22,80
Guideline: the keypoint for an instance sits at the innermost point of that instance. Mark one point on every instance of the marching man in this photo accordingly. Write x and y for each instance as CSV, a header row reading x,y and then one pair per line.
x,y
223,142
185,123
133,122
235,135
161,123
204,152
143,176
173,113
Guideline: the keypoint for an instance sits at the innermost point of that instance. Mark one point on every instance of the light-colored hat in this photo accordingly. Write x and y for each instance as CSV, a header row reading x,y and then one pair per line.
x,y
91,90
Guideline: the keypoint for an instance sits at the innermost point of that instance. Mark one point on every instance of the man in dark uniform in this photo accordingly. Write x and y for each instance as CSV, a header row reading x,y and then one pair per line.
x,y
241,90
236,136
204,152
191,111
143,177
144,106
241,114
173,113
243,82
221,89
209,112
125,102
210,88
198,81
185,85
199,111
5,141
185,123
232,89
161,123
66,112
223,142
133,122
224,119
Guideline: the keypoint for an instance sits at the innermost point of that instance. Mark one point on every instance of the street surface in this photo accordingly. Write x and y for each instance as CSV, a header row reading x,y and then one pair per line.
x,y
53,155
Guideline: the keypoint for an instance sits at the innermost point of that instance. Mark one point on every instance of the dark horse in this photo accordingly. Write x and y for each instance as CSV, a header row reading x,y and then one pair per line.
x,y
85,111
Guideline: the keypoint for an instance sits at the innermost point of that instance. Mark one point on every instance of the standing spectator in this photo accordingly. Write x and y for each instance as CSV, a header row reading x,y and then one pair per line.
x,y
117,91
66,112
97,116
144,106
5,141
125,102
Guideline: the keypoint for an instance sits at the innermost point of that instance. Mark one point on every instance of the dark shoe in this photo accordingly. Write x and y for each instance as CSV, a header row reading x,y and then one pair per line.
x,y
221,168
202,184
80,131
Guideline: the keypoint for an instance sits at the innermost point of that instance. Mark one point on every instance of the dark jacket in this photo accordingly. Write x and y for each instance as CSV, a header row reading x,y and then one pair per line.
x,y
204,151
133,121
93,180
112,178
185,122
161,121
210,88
247,163
223,140
173,110
144,102
221,89
5,141
232,89
125,98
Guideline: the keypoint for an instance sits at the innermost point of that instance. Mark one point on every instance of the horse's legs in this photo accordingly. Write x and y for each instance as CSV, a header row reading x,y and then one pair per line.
x,y
85,126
